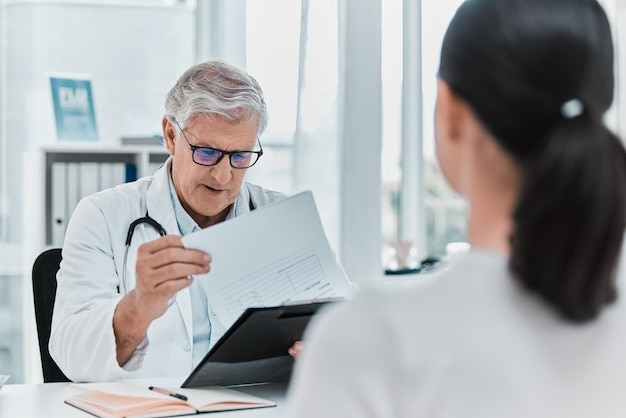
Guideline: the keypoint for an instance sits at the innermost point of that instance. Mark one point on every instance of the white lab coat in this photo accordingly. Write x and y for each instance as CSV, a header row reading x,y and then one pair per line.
x,y
82,341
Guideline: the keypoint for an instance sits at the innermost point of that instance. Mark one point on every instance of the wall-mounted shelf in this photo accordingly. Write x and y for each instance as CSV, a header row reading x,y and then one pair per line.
x,y
72,172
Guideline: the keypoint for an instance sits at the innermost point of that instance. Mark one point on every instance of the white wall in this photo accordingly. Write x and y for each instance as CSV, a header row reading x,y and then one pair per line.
x,y
134,54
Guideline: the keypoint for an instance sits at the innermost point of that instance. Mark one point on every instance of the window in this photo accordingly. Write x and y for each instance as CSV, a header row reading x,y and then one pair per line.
x,y
443,210
272,57
295,59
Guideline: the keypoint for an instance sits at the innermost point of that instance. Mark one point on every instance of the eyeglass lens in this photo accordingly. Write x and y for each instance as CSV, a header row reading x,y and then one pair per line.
x,y
210,156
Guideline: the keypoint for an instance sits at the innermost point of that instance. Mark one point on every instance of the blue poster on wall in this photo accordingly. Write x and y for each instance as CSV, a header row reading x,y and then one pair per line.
x,y
73,108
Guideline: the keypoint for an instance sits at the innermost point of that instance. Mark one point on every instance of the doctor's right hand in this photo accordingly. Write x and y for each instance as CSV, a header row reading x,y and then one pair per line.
x,y
164,267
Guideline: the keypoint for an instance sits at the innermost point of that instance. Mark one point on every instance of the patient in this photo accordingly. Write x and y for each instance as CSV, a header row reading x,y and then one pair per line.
x,y
530,323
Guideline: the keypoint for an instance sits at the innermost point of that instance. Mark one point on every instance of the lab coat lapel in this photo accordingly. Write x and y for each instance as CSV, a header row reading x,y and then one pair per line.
x,y
159,205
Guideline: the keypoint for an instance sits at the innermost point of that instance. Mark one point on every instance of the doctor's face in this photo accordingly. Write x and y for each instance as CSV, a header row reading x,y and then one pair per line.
x,y
207,192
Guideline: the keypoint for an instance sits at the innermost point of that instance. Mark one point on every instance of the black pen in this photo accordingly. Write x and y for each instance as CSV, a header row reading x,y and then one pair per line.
x,y
167,392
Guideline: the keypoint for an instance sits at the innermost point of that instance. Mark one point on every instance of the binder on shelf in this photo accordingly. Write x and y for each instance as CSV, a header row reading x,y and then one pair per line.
x,y
131,172
76,173
112,174
58,207
105,176
118,174
73,188
88,178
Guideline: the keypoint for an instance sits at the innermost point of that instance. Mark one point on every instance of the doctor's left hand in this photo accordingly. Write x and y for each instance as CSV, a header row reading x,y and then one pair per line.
x,y
164,267
295,350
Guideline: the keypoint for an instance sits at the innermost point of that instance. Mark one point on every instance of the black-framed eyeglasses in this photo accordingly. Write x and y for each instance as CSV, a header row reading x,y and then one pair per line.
x,y
212,156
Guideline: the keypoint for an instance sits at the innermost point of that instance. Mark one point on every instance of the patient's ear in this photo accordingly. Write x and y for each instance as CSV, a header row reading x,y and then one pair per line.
x,y
450,129
169,135
450,113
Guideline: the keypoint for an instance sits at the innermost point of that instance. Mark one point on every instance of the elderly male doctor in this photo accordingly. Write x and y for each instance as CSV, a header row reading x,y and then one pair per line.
x,y
137,310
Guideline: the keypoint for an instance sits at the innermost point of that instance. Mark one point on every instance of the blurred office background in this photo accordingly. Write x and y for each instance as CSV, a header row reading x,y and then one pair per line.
x,y
350,86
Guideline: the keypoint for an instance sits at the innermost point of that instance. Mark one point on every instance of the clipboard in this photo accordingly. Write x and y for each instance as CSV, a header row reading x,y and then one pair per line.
x,y
254,348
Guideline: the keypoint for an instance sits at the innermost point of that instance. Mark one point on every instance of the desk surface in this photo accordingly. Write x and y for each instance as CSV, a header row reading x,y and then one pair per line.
x,y
46,400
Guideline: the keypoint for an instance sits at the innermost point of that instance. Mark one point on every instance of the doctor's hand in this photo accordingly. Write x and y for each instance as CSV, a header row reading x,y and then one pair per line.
x,y
164,267
295,350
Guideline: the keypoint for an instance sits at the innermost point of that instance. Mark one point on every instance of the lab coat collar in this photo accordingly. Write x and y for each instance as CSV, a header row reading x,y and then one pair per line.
x,y
158,202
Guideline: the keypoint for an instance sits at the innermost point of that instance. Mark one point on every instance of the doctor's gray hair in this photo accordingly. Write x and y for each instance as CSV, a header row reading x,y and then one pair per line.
x,y
216,88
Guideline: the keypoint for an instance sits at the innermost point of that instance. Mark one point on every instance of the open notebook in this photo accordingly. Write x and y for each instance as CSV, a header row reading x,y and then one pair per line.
x,y
121,399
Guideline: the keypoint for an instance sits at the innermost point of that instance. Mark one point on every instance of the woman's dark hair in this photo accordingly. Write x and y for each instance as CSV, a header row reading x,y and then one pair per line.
x,y
517,63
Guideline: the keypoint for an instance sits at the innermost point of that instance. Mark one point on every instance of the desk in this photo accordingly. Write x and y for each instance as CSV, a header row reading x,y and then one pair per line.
x,y
46,401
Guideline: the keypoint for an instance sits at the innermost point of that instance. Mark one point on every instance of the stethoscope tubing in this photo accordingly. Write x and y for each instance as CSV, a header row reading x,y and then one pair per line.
x,y
129,236
147,219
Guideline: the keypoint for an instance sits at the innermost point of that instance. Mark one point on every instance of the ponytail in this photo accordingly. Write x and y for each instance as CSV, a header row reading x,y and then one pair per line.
x,y
570,218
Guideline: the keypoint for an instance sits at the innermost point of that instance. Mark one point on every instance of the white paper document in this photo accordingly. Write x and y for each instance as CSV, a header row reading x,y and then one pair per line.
x,y
274,255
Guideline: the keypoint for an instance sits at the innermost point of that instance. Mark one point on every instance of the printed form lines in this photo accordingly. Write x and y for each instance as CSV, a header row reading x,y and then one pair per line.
x,y
266,287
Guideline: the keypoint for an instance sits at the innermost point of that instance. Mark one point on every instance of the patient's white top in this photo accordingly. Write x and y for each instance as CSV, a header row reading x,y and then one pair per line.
x,y
471,343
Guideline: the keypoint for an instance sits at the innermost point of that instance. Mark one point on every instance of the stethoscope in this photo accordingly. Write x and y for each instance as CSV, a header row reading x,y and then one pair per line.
x,y
147,219
129,237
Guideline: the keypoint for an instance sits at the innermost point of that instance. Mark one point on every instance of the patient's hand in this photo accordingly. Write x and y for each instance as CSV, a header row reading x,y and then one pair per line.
x,y
295,349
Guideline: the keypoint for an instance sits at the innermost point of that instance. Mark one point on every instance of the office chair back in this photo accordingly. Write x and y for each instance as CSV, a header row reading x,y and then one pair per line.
x,y
45,270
